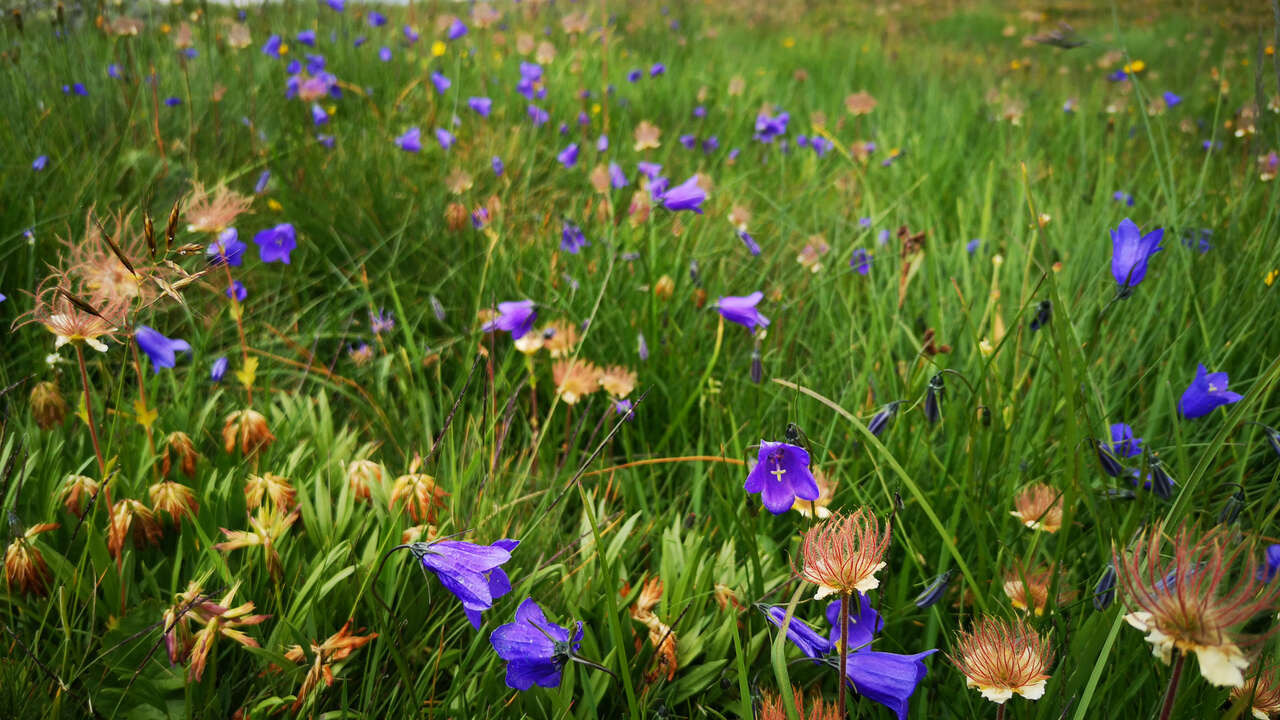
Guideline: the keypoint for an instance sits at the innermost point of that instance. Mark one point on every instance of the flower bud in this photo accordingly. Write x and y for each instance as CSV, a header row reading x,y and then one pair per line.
x,y
47,405
933,399
456,216
935,590
664,288
178,444
1105,592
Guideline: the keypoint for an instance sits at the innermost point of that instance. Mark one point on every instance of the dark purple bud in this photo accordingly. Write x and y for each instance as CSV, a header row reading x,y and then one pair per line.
x,y
1104,593
933,399
935,590
1044,313
1110,465
1273,438
881,419
1118,494
1162,483
437,308
1231,510
757,367
693,273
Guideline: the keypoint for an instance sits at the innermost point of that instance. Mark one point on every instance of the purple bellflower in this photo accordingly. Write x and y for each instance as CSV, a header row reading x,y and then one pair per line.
x,y
441,82
456,29
275,244
535,648
445,138
685,196
1130,252
515,317
742,310
226,248
1123,443
411,140
753,247
237,291
471,572
162,350
569,156
572,239
481,105
1207,392
218,369
781,475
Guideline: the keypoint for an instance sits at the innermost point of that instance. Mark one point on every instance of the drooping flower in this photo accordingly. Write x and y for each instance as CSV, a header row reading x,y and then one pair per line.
x,y
769,127
246,429
179,447
1271,564
324,659
219,618
473,573
1130,252
1194,597
1028,588
752,246
1002,659
515,317
480,105
742,310
77,492
881,419
419,494
445,138
842,554
1039,507
457,29
781,474
160,349
535,648
25,569
886,678
275,244
1207,392
860,261
48,407
269,486
131,517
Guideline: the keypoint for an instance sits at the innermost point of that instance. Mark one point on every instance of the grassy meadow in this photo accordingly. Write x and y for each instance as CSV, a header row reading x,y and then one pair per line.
x,y
264,365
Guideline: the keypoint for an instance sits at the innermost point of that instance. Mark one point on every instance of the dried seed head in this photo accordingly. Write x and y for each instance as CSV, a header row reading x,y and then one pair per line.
x,y
842,554
1028,589
1260,692
575,379
1195,596
47,406
1002,659
210,211
618,381
772,707
1039,507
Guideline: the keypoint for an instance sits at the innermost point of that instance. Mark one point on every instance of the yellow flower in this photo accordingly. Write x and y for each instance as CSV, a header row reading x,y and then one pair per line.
x,y
274,205
1271,277
788,42
437,48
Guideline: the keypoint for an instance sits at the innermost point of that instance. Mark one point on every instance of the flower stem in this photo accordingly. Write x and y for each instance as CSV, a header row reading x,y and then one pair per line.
x,y
1000,711
238,310
1171,694
88,412
844,652
142,395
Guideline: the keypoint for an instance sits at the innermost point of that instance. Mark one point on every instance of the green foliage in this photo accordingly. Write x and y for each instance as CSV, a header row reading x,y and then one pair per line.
x,y
971,142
